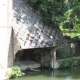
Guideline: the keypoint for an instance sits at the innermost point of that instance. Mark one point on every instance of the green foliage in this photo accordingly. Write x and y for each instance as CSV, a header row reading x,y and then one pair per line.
x,y
15,72
73,33
57,12
61,54
68,63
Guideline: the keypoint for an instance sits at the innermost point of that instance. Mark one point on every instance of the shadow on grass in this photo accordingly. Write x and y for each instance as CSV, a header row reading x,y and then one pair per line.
x,y
68,31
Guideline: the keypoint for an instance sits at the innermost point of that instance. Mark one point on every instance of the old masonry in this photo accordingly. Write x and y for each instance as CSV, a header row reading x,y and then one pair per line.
x,y
22,28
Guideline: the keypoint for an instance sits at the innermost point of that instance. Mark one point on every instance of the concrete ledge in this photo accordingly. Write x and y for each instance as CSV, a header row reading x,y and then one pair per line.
x,y
27,64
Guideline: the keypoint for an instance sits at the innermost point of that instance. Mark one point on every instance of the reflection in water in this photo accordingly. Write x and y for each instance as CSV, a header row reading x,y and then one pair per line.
x,y
68,78
68,74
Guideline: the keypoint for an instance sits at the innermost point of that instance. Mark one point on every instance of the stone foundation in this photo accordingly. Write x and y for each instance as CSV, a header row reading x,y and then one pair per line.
x,y
24,65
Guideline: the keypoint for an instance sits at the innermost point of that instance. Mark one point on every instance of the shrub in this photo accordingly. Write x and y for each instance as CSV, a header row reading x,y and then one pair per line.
x,y
57,11
69,63
15,72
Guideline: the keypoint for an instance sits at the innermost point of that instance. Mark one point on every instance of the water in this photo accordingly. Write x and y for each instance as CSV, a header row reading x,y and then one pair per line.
x,y
67,74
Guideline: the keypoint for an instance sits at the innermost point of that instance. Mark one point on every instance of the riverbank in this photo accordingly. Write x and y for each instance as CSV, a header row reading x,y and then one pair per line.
x,y
62,74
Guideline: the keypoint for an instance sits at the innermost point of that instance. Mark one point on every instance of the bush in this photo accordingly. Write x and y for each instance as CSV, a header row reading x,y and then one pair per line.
x,y
57,11
69,63
15,72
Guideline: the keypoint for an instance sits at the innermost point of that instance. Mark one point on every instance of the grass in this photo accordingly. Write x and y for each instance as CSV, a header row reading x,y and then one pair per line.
x,y
73,33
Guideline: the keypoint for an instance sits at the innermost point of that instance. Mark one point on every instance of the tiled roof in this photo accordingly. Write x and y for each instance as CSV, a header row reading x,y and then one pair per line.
x,y
30,30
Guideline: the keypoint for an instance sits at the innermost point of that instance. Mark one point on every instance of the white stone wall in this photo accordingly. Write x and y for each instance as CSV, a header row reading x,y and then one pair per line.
x,y
6,53
5,32
3,13
5,35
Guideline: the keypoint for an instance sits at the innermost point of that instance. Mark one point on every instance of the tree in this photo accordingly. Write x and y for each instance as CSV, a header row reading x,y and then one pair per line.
x,y
52,10
59,13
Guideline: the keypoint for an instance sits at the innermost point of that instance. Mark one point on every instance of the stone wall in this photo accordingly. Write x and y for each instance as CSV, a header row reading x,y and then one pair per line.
x,y
28,31
35,55
69,50
31,32
6,58
6,46
4,49
11,51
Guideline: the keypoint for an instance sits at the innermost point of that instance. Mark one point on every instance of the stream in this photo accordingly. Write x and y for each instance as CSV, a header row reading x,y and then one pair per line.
x,y
62,74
